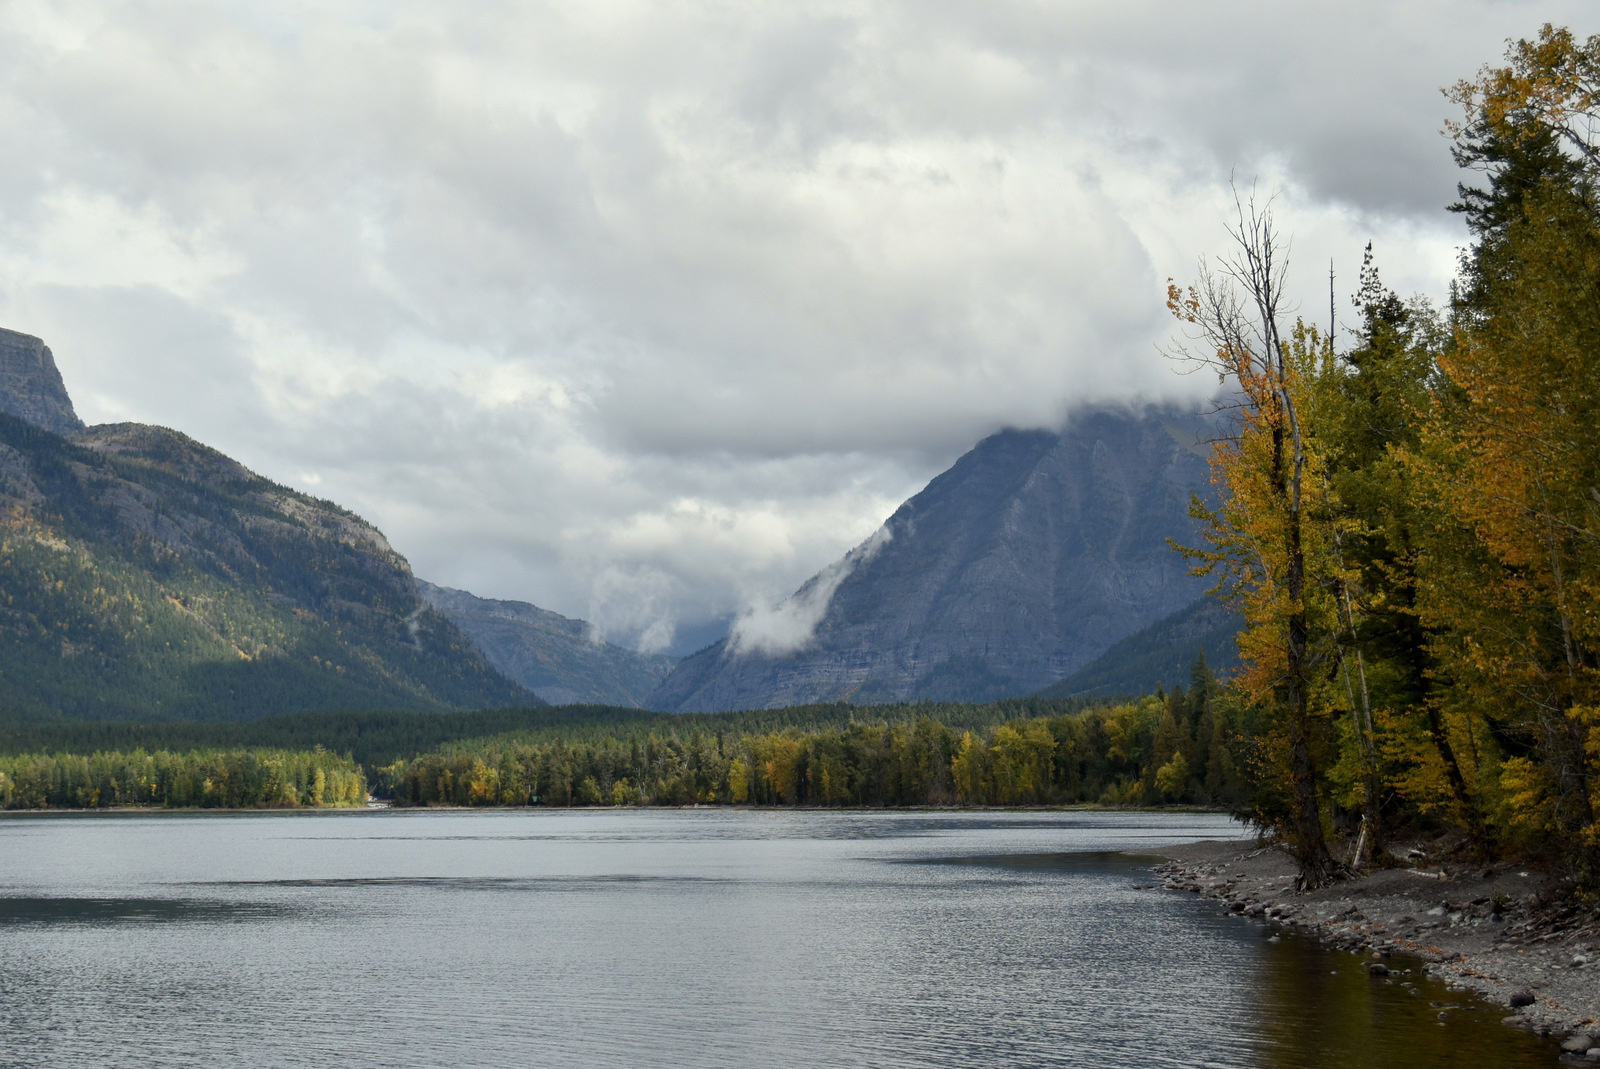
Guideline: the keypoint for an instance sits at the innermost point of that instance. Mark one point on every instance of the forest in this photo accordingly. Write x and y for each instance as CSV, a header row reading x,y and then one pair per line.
x,y
381,737
1184,747
1177,747
205,779
1409,511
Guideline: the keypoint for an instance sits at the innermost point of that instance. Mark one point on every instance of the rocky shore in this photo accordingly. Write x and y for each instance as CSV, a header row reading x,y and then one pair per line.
x,y
1499,931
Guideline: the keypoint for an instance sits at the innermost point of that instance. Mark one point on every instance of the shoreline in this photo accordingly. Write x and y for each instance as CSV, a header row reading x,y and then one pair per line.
x,y
1074,807
1488,930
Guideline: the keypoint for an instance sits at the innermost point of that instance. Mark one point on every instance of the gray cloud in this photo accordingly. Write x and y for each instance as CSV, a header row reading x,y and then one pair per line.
x,y
647,312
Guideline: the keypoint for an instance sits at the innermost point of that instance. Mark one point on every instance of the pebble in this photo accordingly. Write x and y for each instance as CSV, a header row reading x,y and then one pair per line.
x,y
1578,1044
1521,999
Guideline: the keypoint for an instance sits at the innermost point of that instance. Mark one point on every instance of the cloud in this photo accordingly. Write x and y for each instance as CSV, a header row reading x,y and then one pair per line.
x,y
644,312
789,625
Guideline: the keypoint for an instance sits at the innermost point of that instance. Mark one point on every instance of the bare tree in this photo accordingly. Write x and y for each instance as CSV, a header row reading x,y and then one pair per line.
x,y
1233,325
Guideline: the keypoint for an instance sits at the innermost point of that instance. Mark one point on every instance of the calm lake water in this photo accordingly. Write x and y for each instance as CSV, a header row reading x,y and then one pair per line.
x,y
680,937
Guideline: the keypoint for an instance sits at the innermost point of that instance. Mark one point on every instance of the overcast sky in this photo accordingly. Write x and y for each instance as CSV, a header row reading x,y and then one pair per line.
x,y
644,312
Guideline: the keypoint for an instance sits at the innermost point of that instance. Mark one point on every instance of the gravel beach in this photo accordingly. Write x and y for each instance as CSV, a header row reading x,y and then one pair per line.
x,y
1496,930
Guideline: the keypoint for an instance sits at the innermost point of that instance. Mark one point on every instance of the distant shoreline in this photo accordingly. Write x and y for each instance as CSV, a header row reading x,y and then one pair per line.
x,y
1076,807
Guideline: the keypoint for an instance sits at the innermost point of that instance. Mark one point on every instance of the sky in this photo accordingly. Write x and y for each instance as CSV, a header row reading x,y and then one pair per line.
x,y
646,312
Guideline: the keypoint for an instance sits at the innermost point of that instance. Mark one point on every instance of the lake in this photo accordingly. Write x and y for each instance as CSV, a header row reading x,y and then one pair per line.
x,y
670,937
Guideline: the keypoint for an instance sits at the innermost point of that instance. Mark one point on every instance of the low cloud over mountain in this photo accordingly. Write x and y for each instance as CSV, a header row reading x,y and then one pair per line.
x,y
1033,554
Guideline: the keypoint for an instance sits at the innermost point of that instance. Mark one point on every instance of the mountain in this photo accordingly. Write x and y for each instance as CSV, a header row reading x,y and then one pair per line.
x,y
30,384
147,576
1028,558
552,655
1159,655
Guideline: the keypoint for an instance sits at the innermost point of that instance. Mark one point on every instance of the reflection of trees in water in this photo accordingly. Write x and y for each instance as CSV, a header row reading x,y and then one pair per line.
x,y
1320,1007
52,912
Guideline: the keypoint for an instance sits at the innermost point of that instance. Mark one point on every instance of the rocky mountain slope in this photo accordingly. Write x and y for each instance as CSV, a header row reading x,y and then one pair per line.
x,y
550,654
146,576
1159,655
1027,559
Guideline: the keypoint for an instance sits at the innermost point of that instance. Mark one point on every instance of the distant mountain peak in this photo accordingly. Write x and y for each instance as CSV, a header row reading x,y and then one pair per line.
x,y
1024,561
30,384
563,661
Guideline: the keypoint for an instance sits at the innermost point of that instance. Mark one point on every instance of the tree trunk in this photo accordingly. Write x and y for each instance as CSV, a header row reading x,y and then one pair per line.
x,y
1317,866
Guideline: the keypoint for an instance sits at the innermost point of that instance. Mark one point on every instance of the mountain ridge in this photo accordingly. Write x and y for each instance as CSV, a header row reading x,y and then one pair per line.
x,y
148,576
1160,655
556,657
1023,561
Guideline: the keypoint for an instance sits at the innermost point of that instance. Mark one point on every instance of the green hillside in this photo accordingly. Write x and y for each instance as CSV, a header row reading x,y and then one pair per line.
x,y
146,576
1162,654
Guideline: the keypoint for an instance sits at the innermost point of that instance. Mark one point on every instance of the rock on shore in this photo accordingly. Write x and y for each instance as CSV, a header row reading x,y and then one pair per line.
x,y
1490,930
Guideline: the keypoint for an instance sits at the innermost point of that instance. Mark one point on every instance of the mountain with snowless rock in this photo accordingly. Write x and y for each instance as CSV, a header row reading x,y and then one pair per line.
x,y
148,576
1030,557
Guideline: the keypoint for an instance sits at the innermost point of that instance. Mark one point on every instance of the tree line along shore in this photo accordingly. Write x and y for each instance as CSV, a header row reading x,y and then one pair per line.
x,y
1188,746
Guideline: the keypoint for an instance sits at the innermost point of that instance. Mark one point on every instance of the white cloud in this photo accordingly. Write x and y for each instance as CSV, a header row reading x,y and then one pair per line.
x,y
645,311
791,624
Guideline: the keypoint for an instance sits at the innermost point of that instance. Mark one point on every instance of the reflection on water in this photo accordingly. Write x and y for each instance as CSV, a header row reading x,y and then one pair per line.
x,y
20,909
1364,1021
676,937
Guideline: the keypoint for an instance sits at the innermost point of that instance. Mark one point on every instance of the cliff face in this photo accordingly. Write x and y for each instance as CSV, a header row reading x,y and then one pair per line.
x,y
30,386
550,654
1031,556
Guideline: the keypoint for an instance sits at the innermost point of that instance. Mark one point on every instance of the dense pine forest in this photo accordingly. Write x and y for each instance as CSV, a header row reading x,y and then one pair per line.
x,y
1183,747
380,738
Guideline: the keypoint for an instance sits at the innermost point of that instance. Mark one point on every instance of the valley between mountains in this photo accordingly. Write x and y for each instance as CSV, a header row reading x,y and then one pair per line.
x,y
149,577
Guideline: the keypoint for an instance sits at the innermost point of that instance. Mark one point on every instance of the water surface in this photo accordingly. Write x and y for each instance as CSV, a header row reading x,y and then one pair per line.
x,y
675,937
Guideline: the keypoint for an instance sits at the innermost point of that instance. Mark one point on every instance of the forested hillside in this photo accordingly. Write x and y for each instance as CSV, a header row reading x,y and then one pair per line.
x,y
1159,655
145,576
